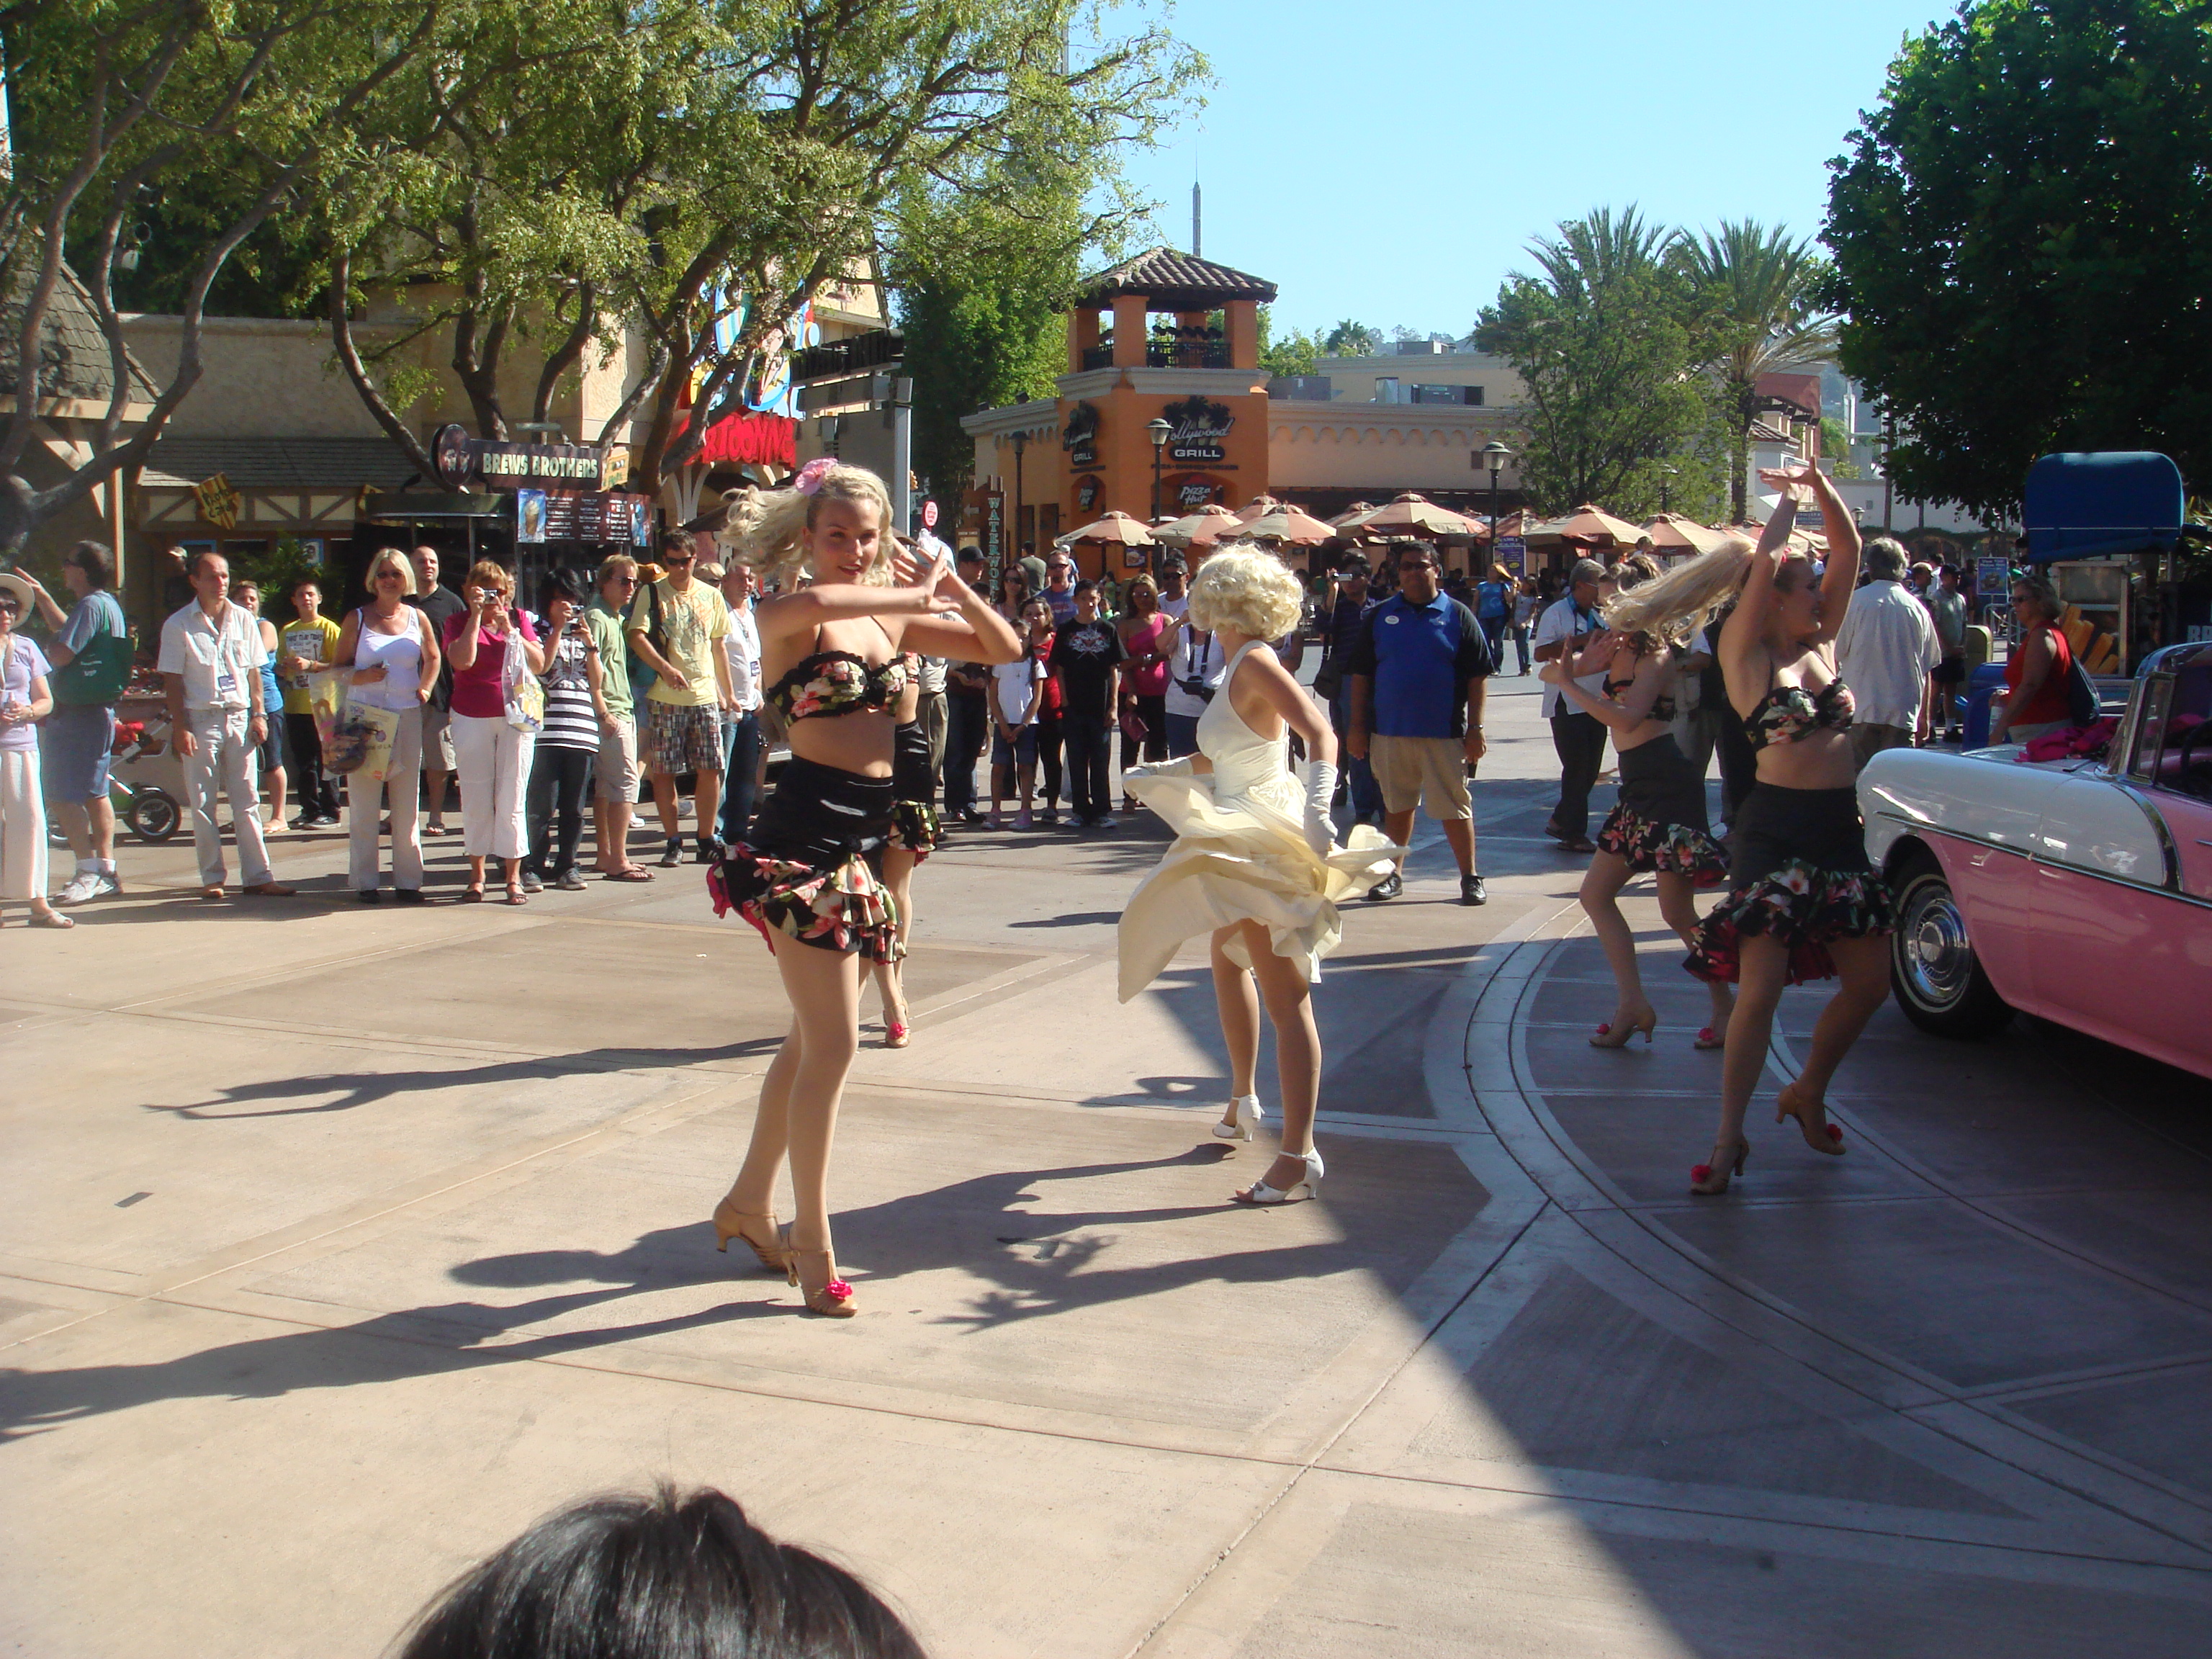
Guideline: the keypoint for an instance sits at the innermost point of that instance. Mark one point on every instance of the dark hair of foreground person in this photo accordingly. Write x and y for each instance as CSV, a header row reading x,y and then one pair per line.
x,y
661,1577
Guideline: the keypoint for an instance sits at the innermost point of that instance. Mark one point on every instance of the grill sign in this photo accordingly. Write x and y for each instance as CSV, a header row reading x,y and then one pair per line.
x,y
1080,437
1200,426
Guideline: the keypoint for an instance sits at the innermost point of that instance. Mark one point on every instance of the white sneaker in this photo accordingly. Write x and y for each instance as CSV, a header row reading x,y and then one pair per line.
x,y
84,887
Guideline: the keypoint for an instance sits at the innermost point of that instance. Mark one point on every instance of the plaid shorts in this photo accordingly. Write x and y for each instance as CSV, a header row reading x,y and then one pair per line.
x,y
683,738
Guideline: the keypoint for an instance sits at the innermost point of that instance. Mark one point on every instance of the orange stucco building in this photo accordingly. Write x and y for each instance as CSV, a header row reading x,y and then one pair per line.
x,y
1163,337
1169,337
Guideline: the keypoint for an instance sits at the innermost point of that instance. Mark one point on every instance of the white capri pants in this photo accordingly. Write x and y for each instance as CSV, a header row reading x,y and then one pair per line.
x,y
23,826
493,759
402,782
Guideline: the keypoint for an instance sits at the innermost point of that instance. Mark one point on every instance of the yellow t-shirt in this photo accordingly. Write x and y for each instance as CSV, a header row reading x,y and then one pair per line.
x,y
317,641
692,624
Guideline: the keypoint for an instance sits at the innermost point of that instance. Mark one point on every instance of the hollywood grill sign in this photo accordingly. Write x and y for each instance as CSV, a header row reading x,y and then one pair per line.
x,y
1199,425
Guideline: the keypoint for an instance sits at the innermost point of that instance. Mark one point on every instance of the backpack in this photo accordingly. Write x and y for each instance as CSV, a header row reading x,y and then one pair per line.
x,y
97,674
2083,705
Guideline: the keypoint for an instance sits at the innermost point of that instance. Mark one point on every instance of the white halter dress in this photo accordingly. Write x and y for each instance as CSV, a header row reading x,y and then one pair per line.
x,y
1240,854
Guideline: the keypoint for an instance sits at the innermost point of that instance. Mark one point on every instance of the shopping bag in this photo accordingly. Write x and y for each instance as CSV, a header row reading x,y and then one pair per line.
x,y
525,696
327,695
361,743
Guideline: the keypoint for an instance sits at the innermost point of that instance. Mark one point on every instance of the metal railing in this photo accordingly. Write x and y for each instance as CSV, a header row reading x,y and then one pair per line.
x,y
1166,354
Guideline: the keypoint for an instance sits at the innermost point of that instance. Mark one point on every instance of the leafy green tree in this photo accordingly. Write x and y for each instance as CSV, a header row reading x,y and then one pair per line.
x,y
2022,236
1293,353
1601,335
120,106
713,171
1351,339
1758,315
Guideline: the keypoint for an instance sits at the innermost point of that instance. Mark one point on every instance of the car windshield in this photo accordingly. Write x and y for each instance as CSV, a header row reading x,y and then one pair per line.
x,y
2173,740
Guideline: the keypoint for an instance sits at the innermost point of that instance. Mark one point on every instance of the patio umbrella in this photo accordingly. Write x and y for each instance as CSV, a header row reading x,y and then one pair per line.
x,y
1672,533
1591,523
1258,507
1349,521
1417,515
1288,524
1177,533
1117,527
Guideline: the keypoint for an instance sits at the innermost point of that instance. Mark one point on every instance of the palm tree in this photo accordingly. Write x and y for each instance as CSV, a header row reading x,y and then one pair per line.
x,y
1759,285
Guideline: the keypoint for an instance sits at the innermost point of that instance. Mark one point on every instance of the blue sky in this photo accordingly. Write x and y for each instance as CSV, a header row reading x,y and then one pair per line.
x,y
1389,162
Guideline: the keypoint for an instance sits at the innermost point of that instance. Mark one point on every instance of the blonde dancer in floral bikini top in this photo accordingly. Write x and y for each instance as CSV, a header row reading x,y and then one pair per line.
x,y
829,648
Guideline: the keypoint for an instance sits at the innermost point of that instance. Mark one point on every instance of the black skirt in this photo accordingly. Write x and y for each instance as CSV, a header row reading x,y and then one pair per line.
x,y
804,872
1802,876
1660,824
914,826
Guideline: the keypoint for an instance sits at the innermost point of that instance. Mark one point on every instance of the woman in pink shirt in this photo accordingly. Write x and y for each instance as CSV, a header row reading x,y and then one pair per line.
x,y
1146,632
492,757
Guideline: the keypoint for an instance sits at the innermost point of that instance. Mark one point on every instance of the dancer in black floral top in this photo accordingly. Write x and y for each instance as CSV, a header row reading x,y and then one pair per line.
x,y
832,652
1659,828
1803,902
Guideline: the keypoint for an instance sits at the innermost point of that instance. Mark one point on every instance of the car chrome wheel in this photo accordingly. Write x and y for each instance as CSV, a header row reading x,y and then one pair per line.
x,y
1939,980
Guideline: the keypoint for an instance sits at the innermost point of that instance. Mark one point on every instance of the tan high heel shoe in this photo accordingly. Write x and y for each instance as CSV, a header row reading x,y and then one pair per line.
x,y
1812,1115
1712,1178
815,1273
1609,1035
730,1223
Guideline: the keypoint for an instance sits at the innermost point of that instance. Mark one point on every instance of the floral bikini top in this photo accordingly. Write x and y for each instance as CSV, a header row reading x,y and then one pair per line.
x,y
838,682
1789,713
1662,706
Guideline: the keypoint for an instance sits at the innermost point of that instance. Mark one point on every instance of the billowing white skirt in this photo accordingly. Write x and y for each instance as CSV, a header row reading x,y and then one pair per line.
x,y
1243,857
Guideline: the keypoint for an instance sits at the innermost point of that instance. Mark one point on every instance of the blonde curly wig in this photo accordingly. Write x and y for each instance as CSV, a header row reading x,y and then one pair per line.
x,y
1249,591
771,537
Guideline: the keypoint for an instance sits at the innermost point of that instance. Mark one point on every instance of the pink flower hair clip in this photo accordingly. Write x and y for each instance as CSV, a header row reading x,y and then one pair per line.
x,y
810,477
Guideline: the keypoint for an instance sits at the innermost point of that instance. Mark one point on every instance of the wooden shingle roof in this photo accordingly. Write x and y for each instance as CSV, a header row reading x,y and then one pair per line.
x,y
1175,282
74,356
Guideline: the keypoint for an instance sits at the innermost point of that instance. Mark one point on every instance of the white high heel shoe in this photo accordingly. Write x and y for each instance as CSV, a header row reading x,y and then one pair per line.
x,y
1248,1116
1261,1193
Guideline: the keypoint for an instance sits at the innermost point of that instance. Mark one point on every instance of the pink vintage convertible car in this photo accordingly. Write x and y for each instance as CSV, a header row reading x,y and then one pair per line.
x,y
2078,890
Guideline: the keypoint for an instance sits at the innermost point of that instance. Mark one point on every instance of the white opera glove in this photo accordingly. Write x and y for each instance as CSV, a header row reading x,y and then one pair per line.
x,y
1181,768
1321,786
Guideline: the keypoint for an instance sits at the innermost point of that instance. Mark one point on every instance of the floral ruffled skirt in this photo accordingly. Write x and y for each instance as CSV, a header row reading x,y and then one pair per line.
x,y
915,829
1660,825
1801,877
804,875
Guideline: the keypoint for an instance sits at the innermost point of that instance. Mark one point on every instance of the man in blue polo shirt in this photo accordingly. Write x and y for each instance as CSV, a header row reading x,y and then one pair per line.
x,y
1417,668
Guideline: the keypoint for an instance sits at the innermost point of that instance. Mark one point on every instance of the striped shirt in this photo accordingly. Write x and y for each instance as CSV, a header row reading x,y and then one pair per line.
x,y
570,720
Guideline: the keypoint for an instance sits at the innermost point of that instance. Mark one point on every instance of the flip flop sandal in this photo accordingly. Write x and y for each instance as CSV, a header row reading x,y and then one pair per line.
x,y
53,919
635,872
474,896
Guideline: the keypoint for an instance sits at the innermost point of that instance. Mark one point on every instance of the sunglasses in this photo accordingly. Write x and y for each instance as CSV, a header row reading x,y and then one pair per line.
x,y
623,582
678,558
389,576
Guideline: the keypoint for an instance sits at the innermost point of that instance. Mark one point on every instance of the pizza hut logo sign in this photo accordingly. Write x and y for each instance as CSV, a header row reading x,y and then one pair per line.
x,y
1087,492
1079,435
1199,425
1195,494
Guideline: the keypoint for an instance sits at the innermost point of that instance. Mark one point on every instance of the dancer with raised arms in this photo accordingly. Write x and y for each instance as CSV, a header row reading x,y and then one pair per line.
x,y
1253,864
830,650
1804,900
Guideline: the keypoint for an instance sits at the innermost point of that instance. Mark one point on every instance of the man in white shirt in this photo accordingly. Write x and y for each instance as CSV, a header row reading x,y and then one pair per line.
x,y
211,658
1577,738
1195,667
1175,586
741,737
1885,651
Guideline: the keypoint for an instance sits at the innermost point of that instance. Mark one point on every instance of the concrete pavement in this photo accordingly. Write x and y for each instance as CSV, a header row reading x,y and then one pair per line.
x,y
343,1242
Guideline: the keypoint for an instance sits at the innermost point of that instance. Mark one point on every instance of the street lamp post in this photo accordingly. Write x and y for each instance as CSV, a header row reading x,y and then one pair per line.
x,y
1666,473
1160,432
1013,549
1494,457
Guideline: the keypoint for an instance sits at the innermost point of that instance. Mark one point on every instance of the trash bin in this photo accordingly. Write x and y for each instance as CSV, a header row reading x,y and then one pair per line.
x,y
1985,679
